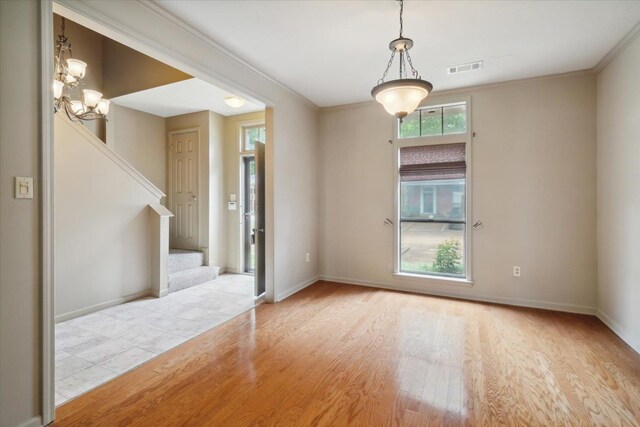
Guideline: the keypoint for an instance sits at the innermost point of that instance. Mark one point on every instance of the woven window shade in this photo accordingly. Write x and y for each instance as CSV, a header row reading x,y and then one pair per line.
x,y
431,162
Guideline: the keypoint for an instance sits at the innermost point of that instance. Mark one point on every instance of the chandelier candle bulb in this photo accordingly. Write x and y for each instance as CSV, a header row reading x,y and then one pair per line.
x,y
91,97
103,106
58,86
76,68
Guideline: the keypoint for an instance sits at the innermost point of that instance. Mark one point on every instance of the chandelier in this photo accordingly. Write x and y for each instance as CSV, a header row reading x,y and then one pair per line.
x,y
402,96
67,82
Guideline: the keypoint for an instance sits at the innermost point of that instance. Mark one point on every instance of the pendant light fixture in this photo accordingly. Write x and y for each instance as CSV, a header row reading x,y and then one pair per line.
x,y
68,80
402,96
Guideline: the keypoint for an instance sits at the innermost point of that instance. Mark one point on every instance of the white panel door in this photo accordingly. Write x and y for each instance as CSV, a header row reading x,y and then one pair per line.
x,y
183,190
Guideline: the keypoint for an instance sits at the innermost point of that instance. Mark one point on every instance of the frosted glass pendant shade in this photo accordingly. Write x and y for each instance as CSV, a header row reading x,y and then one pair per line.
x,y
77,107
57,89
103,106
91,98
401,97
76,68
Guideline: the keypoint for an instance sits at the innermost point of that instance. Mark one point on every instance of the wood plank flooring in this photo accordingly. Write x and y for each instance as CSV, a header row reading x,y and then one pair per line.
x,y
337,355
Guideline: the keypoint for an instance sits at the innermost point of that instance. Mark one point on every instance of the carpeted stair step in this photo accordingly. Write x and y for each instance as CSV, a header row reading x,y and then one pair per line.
x,y
187,278
181,260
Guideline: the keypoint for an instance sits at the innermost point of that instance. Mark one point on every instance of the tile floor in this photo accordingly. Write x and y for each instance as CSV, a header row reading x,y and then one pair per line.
x,y
95,348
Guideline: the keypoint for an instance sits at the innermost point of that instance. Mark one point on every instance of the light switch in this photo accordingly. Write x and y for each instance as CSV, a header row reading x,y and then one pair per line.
x,y
24,187
232,206
232,197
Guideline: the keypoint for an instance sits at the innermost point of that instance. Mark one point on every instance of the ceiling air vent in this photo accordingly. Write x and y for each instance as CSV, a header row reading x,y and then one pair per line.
x,y
471,66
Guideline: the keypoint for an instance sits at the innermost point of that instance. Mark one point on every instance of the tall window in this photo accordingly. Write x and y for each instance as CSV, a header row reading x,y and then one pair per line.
x,y
432,222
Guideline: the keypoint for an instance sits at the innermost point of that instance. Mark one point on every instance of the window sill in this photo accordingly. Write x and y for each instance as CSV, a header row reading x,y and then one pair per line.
x,y
435,279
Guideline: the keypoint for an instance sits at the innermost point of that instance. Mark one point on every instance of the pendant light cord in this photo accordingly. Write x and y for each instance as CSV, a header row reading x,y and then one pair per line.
x,y
401,22
404,56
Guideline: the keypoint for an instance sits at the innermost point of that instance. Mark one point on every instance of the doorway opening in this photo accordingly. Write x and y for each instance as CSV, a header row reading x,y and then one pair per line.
x,y
172,137
249,214
252,212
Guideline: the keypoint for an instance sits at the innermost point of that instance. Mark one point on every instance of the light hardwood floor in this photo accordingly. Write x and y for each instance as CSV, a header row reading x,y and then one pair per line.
x,y
345,355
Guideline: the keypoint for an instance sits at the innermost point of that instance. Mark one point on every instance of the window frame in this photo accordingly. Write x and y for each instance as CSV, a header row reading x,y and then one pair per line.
x,y
243,135
465,138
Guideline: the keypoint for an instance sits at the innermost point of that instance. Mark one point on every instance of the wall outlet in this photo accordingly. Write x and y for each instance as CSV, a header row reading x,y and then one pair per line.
x,y
516,271
308,257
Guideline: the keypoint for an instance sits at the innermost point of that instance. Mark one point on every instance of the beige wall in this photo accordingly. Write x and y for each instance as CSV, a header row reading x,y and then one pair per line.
x,y
102,226
619,194
533,188
211,214
217,205
86,45
126,70
20,373
140,139
233,182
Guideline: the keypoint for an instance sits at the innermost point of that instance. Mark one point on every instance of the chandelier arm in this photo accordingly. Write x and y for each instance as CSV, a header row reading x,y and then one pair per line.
x,y
87,115
381,80
67,109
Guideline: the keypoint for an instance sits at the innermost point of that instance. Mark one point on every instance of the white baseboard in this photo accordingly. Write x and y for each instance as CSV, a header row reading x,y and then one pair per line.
x,y
570,308
33,422
101,306
286,294
162,293
618,330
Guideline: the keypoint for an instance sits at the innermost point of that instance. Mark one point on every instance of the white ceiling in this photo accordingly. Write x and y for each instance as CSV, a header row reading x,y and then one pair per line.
x,y
333,52
187,96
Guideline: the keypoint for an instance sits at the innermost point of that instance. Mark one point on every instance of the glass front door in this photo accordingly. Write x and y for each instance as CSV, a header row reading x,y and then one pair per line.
x,y
249,224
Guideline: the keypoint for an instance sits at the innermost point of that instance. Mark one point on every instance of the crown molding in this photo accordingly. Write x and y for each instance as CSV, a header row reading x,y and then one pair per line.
x,y
467,89
159,10
617,49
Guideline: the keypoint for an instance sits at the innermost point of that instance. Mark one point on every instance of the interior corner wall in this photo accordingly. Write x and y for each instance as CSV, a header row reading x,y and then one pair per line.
x,y
533,180
618,184
20,315
232,135
295,144
140,139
